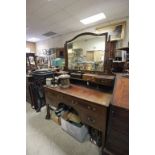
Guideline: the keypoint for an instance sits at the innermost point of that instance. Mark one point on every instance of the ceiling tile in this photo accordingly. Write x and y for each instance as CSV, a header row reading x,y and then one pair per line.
x,y
63,16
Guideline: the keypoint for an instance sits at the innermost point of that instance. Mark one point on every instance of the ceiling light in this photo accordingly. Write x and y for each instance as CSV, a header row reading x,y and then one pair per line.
x,y
33,39
93,18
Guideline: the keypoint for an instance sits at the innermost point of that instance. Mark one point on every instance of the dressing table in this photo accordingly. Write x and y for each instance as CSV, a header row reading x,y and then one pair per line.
x,y
86,59
91,105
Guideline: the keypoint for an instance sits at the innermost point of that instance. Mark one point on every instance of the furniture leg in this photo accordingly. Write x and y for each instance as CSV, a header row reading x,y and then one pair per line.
x,y
48,115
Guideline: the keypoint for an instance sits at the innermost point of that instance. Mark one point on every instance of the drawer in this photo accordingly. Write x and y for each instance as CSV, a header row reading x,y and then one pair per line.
x,y
105,82
119,115
120,127
89,78
118,136
118,143
51,99
54,98
93,115
94,121
68,100
92,108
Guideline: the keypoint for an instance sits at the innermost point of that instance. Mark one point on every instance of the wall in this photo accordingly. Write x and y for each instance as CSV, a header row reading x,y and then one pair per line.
x,y
31,46
60,40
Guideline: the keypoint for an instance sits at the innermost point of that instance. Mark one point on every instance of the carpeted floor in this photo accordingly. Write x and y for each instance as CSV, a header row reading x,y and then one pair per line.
x,y
44,137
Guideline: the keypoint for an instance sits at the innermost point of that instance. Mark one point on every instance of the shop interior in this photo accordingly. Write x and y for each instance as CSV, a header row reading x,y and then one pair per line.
x,y
77,77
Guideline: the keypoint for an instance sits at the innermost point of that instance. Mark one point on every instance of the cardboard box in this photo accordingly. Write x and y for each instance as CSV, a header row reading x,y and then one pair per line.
x,y
55,118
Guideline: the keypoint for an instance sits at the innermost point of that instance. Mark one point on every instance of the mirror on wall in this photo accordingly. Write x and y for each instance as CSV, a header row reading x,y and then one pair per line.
x,y
87,52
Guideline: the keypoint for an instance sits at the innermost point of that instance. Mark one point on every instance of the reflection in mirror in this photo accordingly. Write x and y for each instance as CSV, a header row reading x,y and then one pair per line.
x,y
86,53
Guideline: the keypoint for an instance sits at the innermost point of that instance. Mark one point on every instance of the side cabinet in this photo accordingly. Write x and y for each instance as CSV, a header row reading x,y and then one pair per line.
x,y
117,142
117,135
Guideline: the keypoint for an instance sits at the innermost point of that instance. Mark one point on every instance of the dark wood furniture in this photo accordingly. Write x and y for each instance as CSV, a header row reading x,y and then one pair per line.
x,y
109,56
106,80
28,97
29,65
29,93
117,140
90,104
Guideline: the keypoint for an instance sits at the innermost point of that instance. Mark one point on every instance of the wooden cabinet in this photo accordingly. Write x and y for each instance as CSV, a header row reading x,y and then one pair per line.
x,y
28,98
117,141
118,131
29,94
109,56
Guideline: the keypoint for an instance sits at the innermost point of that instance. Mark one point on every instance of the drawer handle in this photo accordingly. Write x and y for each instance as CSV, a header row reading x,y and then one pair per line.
x,y
74,102
94,109
91,120
113,113
90,108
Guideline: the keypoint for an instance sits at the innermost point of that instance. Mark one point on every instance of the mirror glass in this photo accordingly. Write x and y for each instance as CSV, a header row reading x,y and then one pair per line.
x,y
86,53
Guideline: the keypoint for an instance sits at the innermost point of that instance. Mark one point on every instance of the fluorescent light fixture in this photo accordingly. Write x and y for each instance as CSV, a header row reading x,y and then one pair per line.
x,y
93,18
33,39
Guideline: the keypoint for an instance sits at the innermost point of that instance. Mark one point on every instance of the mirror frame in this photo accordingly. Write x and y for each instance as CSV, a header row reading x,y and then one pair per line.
x,y
82,34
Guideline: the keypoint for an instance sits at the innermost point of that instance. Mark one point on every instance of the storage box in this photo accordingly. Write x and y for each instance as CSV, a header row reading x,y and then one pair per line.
x,y
78,133
56,119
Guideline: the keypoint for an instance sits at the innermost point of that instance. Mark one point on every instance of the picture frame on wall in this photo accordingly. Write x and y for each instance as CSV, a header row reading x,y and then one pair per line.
x,y
115,31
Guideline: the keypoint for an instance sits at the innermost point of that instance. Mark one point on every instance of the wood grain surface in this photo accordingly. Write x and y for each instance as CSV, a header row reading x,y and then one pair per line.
x,y
97,97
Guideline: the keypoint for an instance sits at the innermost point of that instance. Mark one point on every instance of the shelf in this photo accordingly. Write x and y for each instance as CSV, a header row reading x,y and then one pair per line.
x,y
118,61
76,79
123,48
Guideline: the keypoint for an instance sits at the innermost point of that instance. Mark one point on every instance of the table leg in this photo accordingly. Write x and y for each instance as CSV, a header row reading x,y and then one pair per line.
x,y
48,115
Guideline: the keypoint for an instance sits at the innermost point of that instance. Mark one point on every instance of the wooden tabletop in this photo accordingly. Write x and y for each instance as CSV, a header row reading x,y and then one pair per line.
x,y
91,95
109,77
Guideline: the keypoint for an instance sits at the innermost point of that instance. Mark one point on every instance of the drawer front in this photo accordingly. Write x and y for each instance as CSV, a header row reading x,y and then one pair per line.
x,y
54,98
120,120
92,108
118,143
94,121
102,81
51,99
89,78
105,82
93,116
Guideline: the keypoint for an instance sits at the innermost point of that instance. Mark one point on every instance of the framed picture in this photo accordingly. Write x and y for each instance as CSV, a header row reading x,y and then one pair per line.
x,y
115,31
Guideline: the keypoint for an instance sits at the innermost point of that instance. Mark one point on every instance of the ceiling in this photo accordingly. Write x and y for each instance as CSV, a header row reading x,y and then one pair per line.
x,y
63,16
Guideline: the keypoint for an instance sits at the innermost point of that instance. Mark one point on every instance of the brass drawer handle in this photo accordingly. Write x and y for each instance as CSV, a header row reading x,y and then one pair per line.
x,y
91,108
94,109
103,81
91,120
74,102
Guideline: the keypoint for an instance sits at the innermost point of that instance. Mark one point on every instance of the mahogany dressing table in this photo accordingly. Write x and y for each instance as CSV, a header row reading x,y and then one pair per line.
x,y
91,105
90,63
